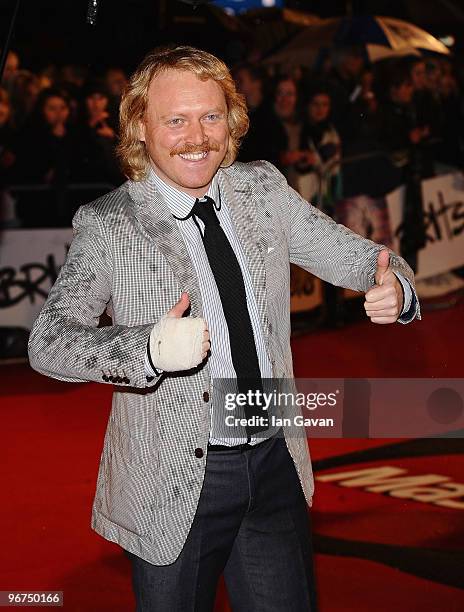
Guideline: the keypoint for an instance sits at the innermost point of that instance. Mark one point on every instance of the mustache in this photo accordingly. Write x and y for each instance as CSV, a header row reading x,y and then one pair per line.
x,y
187,148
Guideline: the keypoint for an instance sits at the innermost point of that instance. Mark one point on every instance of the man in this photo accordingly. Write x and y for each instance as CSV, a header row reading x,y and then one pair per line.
x,y
186,497
407,144
344,81
251,81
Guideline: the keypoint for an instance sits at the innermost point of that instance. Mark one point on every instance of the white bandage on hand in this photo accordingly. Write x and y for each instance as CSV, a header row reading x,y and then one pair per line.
x,y
177,343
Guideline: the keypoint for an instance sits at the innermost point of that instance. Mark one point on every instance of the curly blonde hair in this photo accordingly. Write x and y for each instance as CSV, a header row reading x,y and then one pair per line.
x,y
132,152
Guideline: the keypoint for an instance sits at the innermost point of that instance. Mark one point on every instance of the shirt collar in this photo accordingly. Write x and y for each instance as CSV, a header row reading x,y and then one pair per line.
x,y
180,203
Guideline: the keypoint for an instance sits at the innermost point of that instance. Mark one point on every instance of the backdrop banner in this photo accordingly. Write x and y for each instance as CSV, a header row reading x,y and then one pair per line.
x,y
443,204
380,219
29,264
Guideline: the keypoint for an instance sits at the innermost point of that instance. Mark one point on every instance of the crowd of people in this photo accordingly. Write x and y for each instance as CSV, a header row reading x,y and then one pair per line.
x,y
354,128
57,128
405,109
347,128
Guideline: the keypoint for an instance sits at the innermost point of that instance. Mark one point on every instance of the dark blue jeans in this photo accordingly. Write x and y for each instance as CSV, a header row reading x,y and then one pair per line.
x,y
252,523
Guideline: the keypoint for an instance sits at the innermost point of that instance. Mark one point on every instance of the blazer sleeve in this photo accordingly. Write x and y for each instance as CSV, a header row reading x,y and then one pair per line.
x,y
333,252
65,341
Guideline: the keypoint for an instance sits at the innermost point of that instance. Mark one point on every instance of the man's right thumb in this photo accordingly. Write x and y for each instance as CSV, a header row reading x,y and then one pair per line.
x,y
178,310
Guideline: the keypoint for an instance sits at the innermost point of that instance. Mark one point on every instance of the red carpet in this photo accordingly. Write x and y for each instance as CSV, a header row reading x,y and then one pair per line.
x,y
373,551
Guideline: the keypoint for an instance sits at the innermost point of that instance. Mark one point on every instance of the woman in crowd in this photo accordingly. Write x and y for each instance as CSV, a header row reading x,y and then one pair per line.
x,y
97,137
288,125
46,155
319,180
24,89
47,141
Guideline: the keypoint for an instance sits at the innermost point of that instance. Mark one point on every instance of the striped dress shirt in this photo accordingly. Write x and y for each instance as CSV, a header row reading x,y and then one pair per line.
x,y
220,361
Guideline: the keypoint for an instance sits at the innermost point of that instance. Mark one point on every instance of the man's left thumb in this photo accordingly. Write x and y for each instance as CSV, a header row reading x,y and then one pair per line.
x,y
383,261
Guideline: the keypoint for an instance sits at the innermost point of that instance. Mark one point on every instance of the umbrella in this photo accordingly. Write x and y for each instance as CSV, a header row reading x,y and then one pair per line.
x,y
271,27
382,37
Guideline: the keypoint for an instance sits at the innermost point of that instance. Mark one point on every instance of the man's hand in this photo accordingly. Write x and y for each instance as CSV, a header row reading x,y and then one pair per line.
x,y
179,343
178,310
384,302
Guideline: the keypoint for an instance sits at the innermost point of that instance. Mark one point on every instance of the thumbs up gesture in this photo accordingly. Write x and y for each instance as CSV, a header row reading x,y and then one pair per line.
x,y
384,301
179,343
179,307
189,324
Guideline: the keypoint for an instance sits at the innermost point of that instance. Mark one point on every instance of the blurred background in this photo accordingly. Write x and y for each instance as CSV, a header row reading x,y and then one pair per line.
x,y
358,103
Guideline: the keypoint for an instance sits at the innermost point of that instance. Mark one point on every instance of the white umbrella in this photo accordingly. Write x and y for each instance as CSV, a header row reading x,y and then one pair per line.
x,y
382,37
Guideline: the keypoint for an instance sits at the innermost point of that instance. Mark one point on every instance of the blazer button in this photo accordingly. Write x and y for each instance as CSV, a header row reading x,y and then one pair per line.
x,y
206,396
199,453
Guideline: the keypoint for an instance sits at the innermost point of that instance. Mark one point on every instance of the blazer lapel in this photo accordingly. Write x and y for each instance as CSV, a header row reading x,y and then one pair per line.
x,y
245,217
156,220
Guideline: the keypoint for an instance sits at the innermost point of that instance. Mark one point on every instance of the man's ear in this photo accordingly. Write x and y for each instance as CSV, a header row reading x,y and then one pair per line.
x,y
141,131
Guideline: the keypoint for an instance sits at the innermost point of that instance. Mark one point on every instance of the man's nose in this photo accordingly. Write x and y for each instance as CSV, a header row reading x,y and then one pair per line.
x,y
196,133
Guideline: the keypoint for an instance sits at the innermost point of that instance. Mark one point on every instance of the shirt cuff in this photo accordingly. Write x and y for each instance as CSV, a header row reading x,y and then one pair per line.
x,y
407,294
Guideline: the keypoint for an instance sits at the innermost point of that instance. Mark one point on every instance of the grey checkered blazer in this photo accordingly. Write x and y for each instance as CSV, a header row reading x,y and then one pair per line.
x,y
128,256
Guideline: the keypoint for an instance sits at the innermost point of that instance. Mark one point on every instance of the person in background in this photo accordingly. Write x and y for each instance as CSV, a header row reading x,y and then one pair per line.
x,y
74,74
251,82
365,112
71,79
452,130
427,107
11,69
47,141
400,131
366,168
319,181
97,137
344,85
115,81
24,89
284,129
404,140
46,156
7,160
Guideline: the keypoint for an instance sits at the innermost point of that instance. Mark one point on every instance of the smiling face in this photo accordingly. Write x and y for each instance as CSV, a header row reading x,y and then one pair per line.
x,y
185,130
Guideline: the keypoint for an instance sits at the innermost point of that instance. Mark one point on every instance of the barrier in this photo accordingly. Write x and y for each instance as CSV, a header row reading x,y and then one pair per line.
x,y
30,258
30,262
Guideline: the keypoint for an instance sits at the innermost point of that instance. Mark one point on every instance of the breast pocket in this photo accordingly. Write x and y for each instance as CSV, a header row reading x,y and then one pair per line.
x,y
276,258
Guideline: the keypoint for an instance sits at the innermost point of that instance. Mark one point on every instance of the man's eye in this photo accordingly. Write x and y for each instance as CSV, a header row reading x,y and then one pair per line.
x,y
213,116
175,121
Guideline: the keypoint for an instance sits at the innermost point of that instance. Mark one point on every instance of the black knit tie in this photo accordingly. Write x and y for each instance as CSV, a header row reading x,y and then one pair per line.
x,y
229,280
